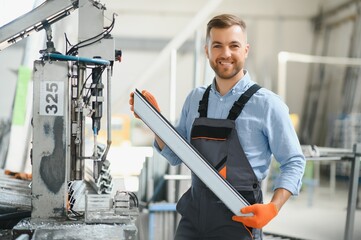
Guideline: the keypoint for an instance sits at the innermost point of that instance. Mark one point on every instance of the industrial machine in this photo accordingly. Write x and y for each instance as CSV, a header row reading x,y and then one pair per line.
x,y
70,188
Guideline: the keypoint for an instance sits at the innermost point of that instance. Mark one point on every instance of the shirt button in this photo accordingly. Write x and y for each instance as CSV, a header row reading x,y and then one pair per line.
x,y
255,186
221,99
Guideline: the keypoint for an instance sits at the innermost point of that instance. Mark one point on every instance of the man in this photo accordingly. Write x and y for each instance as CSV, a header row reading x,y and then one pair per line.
x,y
236,126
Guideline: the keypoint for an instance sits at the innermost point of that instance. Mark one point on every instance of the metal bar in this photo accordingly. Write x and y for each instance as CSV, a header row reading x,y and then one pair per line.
x,y
197,51
335,10
109,103
189,155
61,57
323,158
344,154
284,57
109,114
173,85
32,21
154,208
162,207
352,194
331,151
151,226
177,177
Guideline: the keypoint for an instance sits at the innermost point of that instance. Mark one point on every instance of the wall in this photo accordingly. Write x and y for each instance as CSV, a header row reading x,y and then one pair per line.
x,y
273,26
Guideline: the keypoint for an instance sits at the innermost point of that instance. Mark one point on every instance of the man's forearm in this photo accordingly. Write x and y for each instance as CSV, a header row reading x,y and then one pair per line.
x,y
280,196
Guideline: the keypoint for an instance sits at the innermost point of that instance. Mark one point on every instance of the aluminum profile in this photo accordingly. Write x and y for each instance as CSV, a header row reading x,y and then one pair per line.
x,y
189,155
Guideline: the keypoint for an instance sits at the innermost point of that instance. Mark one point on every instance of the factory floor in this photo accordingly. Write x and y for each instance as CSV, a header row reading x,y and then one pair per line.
x,y
316,214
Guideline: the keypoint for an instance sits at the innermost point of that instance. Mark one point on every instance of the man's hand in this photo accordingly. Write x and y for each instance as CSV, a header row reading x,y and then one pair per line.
x,y
151,99
262,214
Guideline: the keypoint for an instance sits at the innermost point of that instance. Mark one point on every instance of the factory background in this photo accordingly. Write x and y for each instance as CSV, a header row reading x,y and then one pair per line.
x,y
314,45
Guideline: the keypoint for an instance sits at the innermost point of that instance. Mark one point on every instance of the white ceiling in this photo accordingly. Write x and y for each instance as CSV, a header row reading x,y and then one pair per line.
x,y
300,8
145,18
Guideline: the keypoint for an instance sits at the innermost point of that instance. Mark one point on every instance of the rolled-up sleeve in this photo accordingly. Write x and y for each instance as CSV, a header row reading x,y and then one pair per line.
x,y
285,147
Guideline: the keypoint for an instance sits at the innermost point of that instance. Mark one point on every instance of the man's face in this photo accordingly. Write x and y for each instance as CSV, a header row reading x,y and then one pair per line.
x,y
227,51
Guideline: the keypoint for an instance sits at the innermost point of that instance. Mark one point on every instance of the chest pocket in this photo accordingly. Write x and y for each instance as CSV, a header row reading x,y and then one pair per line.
x,y
217,139
212,143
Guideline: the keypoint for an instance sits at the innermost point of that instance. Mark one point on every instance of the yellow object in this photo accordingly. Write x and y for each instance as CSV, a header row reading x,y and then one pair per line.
x,y
120,130
295,121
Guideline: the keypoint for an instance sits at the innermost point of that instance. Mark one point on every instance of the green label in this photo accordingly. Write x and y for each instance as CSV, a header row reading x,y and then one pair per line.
x,y
19,111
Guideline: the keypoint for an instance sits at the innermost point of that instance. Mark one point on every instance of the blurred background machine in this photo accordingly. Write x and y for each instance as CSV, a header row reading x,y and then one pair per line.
x,y
71,184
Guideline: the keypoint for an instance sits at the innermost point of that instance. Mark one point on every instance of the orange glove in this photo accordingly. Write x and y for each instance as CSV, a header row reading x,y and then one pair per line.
x,y
262,214
148,96
151,99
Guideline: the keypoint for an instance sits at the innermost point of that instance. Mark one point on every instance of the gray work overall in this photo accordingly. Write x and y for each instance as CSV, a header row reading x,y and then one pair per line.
x,y
204,216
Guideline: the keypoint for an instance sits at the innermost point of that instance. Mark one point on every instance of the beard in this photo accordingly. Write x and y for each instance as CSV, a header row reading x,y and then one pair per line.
x,y
226,72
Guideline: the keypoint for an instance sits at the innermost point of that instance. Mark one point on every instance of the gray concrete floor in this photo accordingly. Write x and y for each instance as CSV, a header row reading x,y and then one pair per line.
x,y
316,215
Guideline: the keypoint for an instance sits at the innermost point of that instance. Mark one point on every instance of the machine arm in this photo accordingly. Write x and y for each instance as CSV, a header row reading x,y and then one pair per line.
x,y
47,13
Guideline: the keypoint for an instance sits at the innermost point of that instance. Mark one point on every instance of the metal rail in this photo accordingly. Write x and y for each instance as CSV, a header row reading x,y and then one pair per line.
x,y
314,153
189,155
47,13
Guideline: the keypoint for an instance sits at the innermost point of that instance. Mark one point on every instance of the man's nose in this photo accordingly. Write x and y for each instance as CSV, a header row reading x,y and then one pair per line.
x,y
226,52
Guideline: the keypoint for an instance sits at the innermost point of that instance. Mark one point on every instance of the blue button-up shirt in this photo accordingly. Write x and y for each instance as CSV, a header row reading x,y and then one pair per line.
x,y
264,128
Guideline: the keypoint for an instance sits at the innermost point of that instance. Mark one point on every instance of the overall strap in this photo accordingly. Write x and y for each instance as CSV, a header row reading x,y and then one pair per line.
x,y
203,104
241,102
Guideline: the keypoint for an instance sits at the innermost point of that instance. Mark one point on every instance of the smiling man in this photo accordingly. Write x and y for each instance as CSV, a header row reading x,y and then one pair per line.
x,y
227,50
237,126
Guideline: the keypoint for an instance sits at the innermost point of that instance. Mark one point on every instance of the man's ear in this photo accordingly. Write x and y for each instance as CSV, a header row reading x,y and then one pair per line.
x,y
246,50
206,50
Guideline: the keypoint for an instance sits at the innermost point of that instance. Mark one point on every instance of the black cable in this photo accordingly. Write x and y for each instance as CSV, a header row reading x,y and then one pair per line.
x,y
133,197
87,98
15,215
67,42
103,34
81,91
9,220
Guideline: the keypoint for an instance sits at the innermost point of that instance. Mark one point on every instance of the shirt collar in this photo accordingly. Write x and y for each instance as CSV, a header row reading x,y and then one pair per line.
x,y
240,86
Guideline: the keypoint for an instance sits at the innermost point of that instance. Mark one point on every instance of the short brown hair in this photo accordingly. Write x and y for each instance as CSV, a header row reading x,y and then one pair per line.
x,y
224,21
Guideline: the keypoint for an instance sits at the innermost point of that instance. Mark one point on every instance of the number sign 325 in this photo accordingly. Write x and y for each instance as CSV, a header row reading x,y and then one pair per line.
x,y
52,98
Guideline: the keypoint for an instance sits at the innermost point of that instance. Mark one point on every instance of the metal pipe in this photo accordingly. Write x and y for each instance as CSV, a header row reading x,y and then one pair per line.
x,y
79,162
173,85
284,57
352,193
32,21
197,50
109,106
109,114
177,177
77,59
332,12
